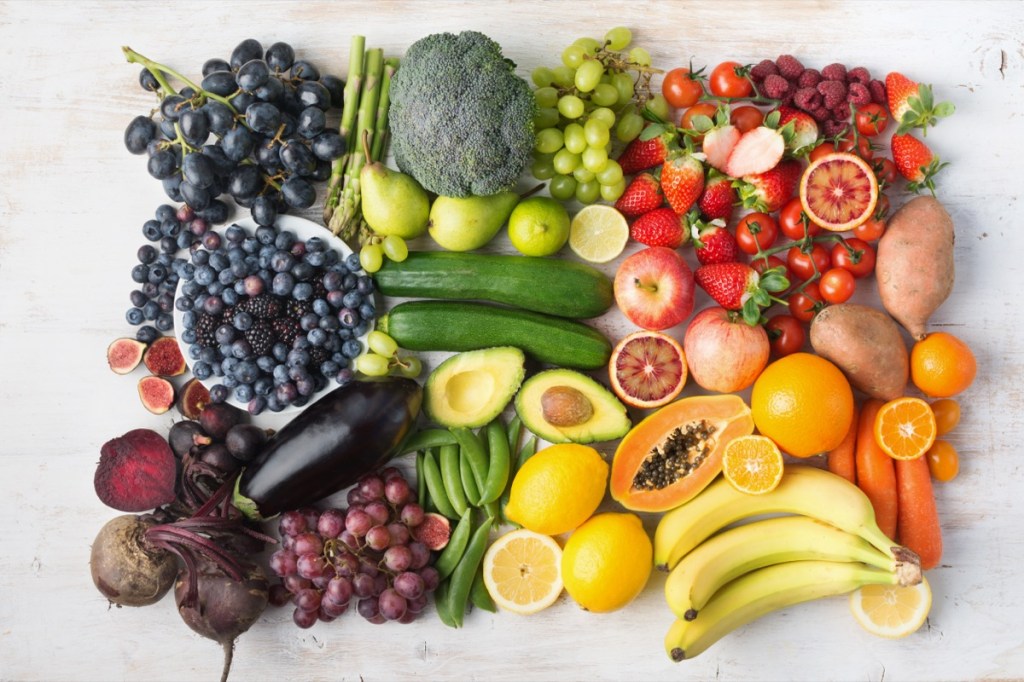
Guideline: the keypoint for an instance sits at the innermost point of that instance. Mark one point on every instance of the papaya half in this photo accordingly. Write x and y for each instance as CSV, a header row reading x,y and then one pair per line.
x,y
672,455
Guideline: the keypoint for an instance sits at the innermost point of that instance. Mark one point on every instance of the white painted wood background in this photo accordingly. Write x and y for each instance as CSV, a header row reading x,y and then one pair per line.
x,y
72,202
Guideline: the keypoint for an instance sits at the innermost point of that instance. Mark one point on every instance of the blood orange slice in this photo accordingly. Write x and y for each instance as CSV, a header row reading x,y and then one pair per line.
x,y
839,191
647,369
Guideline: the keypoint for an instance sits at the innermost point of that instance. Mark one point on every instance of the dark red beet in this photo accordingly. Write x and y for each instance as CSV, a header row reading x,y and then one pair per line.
x,y
164,358
219,607
434,531
126,569
124,355
218,418
136,472
156,394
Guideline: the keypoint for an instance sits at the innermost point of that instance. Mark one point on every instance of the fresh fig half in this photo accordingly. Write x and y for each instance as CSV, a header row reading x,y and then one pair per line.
x,y
125,354
164,358
192,398
434,531
156,394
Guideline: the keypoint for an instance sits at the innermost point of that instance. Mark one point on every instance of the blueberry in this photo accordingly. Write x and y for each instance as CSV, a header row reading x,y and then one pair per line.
x,y
279,351
140,273
200,258
239,286
332,280
183,304
195,351
213,305
147,334
321,307
165,301
242,321
352,262
351,348
205,275
364,285
247,372
349,318
263,385
151,230
212,241
229,381
331,258
266,363
229,363
367,311
165,211
266,234
351,282
298,358
303,271
333,342
309,321
281,261
230,296
184,240
202,370
165,322
224,334
317,336
329,368
306,386
316,259
208,354
241,349
352,299
273,404
301,343
151,310
219,261
335,298
187,271
188,319
165,259
226,277
257,405
329,323
280,374
157,273
218,393
150,290
345,376
188,335
360,329
215,288
282,284
303,291
286,393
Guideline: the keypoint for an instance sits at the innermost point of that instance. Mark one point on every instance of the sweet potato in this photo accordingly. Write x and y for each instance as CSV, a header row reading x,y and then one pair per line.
x,y
914,264
866,344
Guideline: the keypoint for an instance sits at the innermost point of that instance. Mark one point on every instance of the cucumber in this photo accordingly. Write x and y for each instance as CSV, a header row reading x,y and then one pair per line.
x,y
543,285
462,326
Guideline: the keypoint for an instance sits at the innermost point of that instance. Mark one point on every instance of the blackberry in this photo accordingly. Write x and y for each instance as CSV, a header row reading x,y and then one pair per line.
x,y
296,308
319,290
318,355
286,329
206,326
261,337
263,307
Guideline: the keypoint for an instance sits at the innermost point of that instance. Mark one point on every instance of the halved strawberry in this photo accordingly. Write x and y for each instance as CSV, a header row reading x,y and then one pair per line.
x,y
642,195
805,129
757,151
912,104
769,191
682,181
915,162
660,227
647,151
737,286
717,200
718,145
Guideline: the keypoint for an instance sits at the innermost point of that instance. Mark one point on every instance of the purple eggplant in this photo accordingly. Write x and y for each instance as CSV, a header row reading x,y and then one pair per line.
x,y
352,430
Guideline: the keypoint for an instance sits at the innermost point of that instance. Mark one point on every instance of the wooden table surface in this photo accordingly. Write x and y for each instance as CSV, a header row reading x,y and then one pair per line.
x,y
72,202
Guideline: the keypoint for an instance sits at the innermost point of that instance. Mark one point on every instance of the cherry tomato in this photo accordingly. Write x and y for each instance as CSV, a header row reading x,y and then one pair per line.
x,y
681,88
837,285
871,230
821,150
871,119
785,334
885,170
771,263
943,462
699,109
746,118
792,220
856,144
947,415
882,207
729,79
805,265
805,304
756,230
859,263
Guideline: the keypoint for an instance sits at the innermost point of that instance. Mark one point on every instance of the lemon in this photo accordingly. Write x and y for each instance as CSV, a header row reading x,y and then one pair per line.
x,y
523,571
890,610
607,561
598,233
557,489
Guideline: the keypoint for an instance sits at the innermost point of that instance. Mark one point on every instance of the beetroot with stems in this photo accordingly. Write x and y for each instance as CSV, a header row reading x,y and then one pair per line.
x,y
126,569
136,472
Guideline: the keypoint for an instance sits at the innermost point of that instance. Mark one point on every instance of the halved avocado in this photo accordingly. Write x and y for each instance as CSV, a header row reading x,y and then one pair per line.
x,y
472,388
565,406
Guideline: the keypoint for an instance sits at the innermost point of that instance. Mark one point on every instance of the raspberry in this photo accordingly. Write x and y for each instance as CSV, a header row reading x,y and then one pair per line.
x,y
834,72
787,99
789,66
820,114
763,69
807,99
877,89
832,128
775,86
858,95
833,93
809,78
858,74
841,112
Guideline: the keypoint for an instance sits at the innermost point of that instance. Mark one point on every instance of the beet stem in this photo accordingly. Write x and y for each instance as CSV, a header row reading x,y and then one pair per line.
x,y
219,556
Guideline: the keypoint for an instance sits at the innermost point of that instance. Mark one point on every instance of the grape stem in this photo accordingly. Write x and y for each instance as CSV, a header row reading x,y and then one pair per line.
x,y
160,72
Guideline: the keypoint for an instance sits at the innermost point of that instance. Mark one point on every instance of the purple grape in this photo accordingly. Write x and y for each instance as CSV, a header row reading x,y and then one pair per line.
x,y
396,490
279,595
398,558
331,608
305,619
283,563
353,497
400,534
410,585
368,608
368,566
378,538
295,583
308,543
408,617
379,512
358,522
349,540
371,487
310,566
340,590
381,582
391,472
308,599
420,555
417,604
362,585
288,542
331,523
431,578
412,514
320,582
391,604
312,516
292,523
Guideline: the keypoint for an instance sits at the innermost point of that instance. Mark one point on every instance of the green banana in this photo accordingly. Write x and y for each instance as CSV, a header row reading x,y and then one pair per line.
x,y
753,545
804,490
762,591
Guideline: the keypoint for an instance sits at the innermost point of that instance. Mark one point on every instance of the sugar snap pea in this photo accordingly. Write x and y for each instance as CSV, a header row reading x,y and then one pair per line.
x,y
499,463
528,450
468,482
442,604
479,595
426,438
515,429
461,581
449,557
435,486
474,450
448,459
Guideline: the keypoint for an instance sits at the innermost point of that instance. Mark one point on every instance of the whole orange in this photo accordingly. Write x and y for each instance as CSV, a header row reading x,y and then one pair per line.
x,y
941,365
804,403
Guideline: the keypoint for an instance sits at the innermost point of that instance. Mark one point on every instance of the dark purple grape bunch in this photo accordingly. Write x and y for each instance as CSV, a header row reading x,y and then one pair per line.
x,y
255,128
367,556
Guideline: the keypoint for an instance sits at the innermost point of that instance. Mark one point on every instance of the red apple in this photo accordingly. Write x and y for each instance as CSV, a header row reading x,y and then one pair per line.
x,y
654,288
724,353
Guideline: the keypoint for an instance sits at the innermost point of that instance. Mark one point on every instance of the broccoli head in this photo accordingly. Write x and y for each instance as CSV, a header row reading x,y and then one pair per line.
x,y
461,120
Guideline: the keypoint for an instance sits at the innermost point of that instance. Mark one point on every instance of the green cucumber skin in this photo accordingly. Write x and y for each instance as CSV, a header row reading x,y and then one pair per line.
x,y
543,285
460,326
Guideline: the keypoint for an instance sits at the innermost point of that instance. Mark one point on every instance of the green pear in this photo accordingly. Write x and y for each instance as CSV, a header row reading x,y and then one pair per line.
x,y
393,203
467,223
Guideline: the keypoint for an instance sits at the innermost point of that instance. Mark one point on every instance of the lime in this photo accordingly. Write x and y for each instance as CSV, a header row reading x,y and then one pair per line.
x,y
598,233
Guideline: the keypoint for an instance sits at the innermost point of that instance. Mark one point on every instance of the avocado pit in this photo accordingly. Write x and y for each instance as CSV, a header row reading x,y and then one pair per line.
x,y
565,406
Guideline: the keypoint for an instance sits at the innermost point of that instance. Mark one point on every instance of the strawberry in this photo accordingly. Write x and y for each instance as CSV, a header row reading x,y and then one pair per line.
x,y
757,151
769,191
718,145
643,194
647,151
737,286
915,162
712,243
660,227
805,128
912,104
717,199
682,181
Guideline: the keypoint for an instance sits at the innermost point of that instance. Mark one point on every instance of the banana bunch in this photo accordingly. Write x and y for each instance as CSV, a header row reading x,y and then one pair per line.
x,y
827,544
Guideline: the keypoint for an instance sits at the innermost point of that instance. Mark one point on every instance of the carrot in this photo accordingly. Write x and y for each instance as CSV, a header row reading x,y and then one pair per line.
x,y
919,527
876,474
842,460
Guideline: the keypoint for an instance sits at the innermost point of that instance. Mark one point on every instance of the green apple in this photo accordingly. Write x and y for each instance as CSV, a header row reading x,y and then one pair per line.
x,y
538,226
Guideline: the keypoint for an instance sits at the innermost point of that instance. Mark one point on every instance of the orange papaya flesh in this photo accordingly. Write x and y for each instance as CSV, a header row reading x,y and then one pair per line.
x,y
672,455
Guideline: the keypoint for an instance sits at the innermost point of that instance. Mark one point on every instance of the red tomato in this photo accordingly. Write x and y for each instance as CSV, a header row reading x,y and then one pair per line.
x,y
699,109
882,207
805,304
837,285
786,334
871,119
821,150
856,144
729,79
756,232
681,88
870,230
771,263
746,118
792,220
885,170
805,265
854,255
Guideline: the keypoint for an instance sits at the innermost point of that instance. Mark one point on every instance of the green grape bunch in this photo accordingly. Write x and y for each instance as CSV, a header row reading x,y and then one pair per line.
x,y
593,100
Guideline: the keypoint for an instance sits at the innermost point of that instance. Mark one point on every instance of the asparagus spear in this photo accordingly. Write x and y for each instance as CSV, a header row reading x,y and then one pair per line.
x,y
353,87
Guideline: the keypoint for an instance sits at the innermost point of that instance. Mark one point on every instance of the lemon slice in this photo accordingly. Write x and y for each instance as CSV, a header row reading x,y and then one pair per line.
x,y
522,571
890,610
598,233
